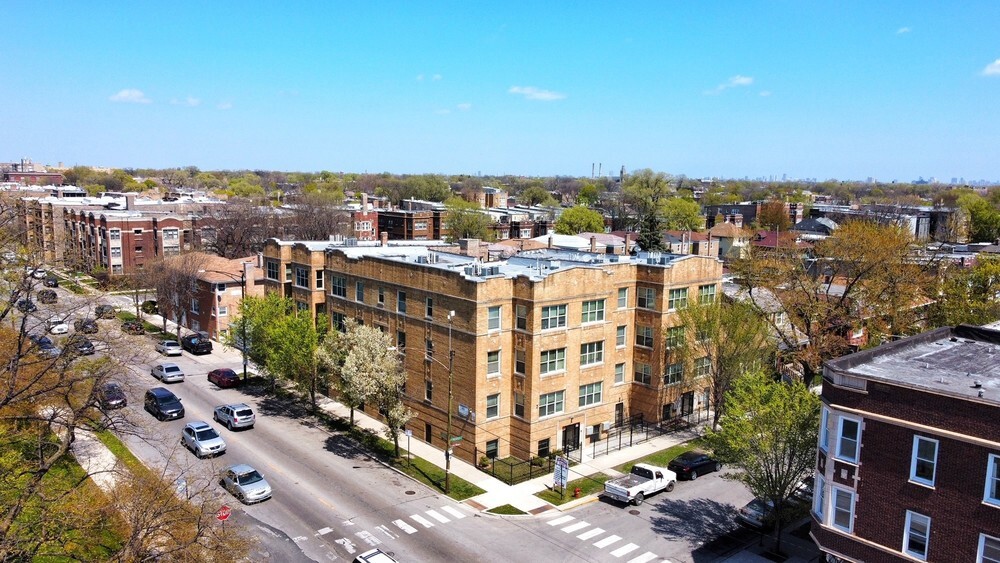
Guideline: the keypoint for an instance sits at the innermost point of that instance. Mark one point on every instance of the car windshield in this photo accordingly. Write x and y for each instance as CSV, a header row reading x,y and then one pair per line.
x,y
249,478
207,434
244,412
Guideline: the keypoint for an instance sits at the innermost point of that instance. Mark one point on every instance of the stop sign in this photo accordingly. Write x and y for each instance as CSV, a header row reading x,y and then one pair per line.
x,y
223,513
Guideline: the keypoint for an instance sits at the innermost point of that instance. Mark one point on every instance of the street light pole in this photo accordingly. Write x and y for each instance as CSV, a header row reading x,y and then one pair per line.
x,y
451,380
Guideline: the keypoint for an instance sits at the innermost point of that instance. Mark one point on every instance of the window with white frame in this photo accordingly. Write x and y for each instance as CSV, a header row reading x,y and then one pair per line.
x,y
916,535
924,460
590,394
359,291
824,429
223,311
400,301
644,336
703,367
493,318
115,234
706,294
643,373
288,272
493,406
620,373
843,510
518,404
553,361
521,315
272,270
195,306
319,279
992,492
645,298
301,277
553,316
338,286
593,311
674,374
493,362
848,439
420,225
677,299
520,361
675,337
622,297
591,353
620,336
989,549
550,403
116,252
171,236
819,496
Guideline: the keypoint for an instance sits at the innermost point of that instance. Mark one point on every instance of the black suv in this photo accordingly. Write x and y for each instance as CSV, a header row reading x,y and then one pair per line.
x,y
26,306
51,281
104,312
80,344
197,343
163,404
86,326
47,296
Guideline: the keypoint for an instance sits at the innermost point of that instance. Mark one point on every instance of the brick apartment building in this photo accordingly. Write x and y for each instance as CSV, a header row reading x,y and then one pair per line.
x,y
909,451
220,292
551,347
746,213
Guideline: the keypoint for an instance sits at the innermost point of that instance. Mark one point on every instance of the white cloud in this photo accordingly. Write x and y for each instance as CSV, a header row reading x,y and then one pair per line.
x,y
464,106
131,96
189,102
903,30
436,77
225,105
733,82
765,93
992,69
532,93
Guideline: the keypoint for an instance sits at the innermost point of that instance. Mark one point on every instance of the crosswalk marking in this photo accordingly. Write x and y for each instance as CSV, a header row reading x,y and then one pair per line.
x,y
649,555
458,514
385,530
607,541
437,516
368,538
348,544
422,521
402,525
591,533
324,531
574,527
624,549
561,520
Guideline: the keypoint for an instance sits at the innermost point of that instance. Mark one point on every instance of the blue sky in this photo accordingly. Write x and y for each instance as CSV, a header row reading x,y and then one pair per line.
x,y
845,90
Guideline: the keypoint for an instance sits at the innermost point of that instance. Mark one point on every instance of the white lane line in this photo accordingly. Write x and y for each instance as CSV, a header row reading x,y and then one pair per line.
x,y
348,544
402,525
574,527
591,533
437,516
297,539
624,549
648,556
385,530
368,538
324,531
607,541
422,521
458,514
561,520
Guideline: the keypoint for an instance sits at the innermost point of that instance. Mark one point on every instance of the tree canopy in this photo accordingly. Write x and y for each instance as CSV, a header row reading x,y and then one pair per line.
x,y
464,219
579,219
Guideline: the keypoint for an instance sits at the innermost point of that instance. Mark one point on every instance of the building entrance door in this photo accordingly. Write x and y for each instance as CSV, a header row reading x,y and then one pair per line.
x,y
571,437
619,414
687,403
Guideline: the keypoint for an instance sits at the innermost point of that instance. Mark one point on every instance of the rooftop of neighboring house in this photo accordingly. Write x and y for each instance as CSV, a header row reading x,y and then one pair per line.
x,y
727,230
959,361
771,239
233,267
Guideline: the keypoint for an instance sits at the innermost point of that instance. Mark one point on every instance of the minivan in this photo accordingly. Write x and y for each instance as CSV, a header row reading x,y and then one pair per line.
x,y
163,404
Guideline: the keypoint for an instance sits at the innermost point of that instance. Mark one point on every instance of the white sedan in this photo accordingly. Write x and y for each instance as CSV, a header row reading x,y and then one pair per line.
x,y
169,348
57,325
167,372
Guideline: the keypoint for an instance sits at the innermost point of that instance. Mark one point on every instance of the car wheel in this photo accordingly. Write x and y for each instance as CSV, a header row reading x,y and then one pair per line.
x,y
229,425
718,467
670,486
159,416
694,475
215,416
241,498
638,499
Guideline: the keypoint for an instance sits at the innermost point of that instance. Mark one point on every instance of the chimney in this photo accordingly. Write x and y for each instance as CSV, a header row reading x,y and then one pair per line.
x,y
260,260
593,243
385,238
550,242
364,202
129,202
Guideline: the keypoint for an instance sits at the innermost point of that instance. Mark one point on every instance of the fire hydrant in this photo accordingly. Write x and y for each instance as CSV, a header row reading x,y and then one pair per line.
x,y
576,492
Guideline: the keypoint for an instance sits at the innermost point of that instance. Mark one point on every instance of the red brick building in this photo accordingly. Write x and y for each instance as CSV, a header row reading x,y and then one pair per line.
x,y
220,293
909,451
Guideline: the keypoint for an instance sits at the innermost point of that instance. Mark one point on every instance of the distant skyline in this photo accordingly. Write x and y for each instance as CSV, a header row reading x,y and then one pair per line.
x,y
852,90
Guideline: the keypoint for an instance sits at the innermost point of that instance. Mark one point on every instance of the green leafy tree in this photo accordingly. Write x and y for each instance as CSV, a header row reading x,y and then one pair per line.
x,y
725,340
769,434
682,214
247,185
647,193
293,341
259,314
536,195
970,295
589,194
774,217
579,219
464,219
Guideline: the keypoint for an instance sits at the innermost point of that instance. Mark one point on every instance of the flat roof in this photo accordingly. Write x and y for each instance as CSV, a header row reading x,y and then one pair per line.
x,y
959,361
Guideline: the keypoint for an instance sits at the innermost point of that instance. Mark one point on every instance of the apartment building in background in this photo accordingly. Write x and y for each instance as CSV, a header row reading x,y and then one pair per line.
x,y
909,451
551,348
220,292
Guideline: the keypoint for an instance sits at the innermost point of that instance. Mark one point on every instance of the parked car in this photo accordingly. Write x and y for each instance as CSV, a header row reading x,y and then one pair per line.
x,y
40,339
104,312
245,483
224,377
133,327
26,305
39,273
47,296
202,439
86,326
167,372
374,556
112,396
163,404
197,343
689,465
169,348
803,492
757,514
49,350
80,344
57,325
238,415
642,481
150,307
51,281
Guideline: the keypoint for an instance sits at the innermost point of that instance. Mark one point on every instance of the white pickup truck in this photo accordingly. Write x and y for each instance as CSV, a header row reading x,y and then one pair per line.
x,y
643,481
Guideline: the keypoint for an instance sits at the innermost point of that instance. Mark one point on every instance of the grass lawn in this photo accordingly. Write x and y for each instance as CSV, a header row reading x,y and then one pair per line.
x,y
120,450
662,457
587,485
506,509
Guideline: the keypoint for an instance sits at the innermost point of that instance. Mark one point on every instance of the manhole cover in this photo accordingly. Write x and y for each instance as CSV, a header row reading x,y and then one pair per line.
x,y
634,512
411,492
